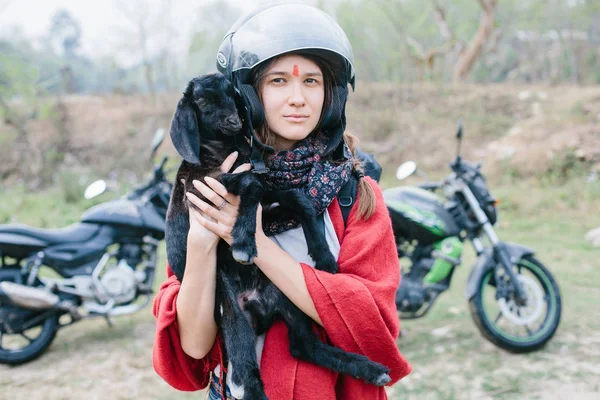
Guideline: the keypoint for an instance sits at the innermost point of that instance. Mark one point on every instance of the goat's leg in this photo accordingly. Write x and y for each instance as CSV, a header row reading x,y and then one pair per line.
x,y
177,225
243,377
316,242
306,345
248,186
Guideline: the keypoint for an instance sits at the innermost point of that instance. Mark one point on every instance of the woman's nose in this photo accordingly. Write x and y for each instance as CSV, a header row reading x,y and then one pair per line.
x,y
297,96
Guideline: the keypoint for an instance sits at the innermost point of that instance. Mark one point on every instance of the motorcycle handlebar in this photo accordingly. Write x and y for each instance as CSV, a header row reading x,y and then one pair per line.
x,y
159,175
431,185
163,162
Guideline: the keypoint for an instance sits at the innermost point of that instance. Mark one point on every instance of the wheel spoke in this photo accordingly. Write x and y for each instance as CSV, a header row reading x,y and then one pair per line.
x,y
498,317
27,337
528,330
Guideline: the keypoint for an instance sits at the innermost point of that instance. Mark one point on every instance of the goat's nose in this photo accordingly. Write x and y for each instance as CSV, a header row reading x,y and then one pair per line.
x,y
232,120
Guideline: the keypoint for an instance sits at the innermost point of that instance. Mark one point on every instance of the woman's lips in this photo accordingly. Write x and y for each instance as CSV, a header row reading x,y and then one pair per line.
x,y
296,118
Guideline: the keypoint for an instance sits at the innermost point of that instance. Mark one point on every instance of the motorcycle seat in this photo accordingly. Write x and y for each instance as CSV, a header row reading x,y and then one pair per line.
x,y
78,232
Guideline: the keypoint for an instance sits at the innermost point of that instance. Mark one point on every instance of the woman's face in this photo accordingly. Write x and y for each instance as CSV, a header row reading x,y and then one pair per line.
x,y
292,94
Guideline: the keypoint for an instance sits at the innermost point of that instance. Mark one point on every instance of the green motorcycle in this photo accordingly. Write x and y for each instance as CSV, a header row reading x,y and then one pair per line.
x,y
514,299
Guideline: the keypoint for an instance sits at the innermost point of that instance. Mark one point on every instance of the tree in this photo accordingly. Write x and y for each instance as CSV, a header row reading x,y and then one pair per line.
x,y
18,78
65,31
467,59
213,19
140,33
65,34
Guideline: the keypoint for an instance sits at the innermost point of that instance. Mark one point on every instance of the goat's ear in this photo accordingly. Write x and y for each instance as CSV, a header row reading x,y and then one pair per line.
x,y
184,132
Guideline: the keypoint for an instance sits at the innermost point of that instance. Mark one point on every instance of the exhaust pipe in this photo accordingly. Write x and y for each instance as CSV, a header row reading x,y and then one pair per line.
x,y
27,296
129,309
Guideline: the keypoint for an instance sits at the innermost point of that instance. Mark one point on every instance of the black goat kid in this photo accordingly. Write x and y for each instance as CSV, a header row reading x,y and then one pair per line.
x,y
203,131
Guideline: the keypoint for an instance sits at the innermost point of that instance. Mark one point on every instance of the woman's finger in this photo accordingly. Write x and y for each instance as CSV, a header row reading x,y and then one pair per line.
x,y
195,201
210,194
216,228
222,191
229,161
194,213
243,168
211,212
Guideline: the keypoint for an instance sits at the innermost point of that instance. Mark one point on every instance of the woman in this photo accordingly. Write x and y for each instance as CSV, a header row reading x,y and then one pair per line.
x,y
298,62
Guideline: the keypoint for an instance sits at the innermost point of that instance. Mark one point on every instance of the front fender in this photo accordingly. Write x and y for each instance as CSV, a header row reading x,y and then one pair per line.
x,y
487,261
483,264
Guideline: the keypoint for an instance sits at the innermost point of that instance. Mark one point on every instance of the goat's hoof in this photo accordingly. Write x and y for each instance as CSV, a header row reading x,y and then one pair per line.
x,y
242,257
237,392
382,380
330,267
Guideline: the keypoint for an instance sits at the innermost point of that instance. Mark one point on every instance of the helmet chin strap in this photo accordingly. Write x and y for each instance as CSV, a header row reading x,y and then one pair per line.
x,y
257,150
342,152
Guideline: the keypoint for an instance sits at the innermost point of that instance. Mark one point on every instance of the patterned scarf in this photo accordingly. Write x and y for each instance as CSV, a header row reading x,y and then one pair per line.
x,y
302,168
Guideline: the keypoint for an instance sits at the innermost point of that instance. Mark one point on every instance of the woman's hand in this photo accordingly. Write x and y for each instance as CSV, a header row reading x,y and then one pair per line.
x,y
215,220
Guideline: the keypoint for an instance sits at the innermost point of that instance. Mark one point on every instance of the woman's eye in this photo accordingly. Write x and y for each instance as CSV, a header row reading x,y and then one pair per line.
x,y
311,80
278,80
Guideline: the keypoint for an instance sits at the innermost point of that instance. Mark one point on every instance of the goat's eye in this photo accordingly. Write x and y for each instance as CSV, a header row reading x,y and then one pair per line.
x,y
201,102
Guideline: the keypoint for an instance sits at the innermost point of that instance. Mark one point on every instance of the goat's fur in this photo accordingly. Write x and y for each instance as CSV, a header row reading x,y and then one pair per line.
x,y
203,131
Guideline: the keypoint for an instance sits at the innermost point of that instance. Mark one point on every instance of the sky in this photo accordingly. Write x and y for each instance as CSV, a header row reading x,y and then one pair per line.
x,y
102,22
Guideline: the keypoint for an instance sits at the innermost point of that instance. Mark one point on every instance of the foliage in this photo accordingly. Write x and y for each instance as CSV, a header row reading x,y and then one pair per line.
x,y
534,40
214,19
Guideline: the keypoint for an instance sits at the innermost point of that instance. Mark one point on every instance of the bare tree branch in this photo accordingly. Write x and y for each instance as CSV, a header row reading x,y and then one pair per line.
x,y
389,13
139,16
484,5
467,60
440,17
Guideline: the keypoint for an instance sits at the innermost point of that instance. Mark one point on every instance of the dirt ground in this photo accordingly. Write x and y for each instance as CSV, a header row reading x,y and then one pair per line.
x,y
450,359
93,361
521,133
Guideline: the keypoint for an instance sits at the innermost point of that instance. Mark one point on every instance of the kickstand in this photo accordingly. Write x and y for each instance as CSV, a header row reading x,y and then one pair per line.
x,y
109,320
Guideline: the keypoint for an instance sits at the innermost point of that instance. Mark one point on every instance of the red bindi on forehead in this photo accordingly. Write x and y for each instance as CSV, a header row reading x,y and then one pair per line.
x,y
295,71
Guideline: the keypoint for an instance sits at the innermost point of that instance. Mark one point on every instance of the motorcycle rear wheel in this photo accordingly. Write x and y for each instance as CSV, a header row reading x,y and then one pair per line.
x,y
21,347
513,328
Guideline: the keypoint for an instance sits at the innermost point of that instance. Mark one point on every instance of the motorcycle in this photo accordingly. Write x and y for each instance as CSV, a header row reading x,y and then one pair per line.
x,y
513,298
106,266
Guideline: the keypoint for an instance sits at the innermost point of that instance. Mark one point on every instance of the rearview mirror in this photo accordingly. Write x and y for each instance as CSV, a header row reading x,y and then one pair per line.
x,y
406,169
95,189
158,138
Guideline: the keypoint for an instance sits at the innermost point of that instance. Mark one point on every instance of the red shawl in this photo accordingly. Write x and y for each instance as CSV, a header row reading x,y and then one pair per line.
x,y
356,305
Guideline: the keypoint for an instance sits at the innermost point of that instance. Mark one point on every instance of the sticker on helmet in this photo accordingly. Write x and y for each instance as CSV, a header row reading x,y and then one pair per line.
x,y
222,60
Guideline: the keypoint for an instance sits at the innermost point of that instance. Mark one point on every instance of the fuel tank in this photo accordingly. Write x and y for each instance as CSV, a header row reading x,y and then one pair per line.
x,y
130,213
419,214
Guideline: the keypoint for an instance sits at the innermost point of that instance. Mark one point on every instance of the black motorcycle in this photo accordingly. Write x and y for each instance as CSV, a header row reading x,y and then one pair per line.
x,y
514,299
106,263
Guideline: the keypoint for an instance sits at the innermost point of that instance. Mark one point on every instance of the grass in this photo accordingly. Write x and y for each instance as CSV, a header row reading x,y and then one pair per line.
x,y
463,364
550,215
90,358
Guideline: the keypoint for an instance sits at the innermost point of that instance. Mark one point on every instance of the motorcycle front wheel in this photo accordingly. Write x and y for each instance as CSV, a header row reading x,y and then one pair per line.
x,y
512,327
24,334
